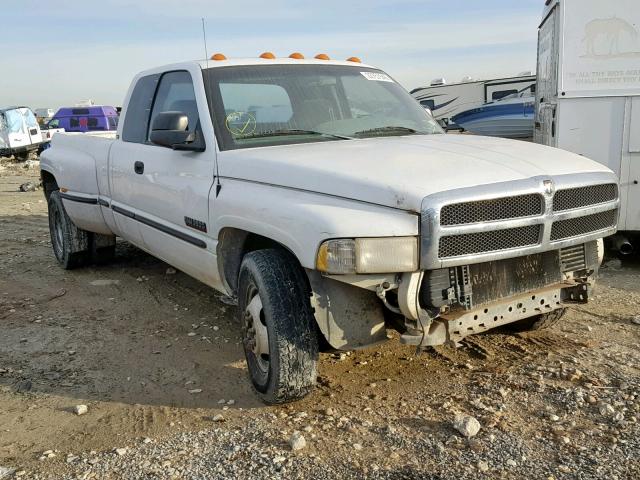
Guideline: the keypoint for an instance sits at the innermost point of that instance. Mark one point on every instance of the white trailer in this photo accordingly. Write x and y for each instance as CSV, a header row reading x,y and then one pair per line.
x,y
588,90
446,100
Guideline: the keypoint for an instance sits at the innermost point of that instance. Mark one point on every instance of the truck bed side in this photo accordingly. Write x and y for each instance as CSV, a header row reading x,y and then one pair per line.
x,y
79,165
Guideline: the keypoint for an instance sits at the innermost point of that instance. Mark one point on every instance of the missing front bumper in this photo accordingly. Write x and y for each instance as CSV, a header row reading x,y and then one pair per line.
x,y
452,327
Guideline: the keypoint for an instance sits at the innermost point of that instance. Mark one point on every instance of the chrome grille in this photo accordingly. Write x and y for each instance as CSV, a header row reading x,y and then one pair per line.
x,y
575,227
490,210
515,218
491,241
584,196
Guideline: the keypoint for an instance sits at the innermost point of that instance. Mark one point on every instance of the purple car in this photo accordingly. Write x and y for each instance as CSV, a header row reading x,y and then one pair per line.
x,y
85,119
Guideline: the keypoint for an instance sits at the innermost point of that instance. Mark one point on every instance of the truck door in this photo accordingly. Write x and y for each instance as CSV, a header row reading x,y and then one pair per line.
x,y
164,193
547,82
35,137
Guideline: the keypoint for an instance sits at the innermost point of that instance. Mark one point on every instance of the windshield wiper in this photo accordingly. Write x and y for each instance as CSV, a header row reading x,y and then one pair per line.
x,y
387,130
296,131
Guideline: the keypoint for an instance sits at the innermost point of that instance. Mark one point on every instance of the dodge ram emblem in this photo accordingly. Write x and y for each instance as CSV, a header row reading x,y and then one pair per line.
x,y
549,187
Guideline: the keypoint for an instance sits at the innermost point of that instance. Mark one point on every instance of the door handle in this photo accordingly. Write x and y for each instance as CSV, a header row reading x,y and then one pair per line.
x,y
138,167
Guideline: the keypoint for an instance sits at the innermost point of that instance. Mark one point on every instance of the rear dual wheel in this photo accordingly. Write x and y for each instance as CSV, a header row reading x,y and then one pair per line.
x,y
74,247
278,326
70,243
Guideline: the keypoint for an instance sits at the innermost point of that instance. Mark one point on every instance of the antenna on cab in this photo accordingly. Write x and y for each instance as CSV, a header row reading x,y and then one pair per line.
x,y
204,38
207,87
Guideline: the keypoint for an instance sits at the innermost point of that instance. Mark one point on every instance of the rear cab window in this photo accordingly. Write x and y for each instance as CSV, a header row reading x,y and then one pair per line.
x,y
153,94
136,118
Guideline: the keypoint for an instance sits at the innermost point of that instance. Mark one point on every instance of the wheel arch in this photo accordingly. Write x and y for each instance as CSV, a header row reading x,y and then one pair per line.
x,y
233,245
49,183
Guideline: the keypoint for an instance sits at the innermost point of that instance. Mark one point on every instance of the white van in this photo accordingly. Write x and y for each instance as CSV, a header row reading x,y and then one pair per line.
x,y
19,132
588,92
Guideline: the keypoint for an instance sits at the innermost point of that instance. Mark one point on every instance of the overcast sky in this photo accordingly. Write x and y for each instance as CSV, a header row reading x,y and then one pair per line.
x,y
59,52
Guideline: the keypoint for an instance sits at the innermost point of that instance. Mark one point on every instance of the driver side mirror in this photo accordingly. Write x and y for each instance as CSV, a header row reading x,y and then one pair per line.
x,y
169,129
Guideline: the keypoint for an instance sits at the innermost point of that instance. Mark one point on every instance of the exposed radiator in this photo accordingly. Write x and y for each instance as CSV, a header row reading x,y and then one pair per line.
x,y
482,283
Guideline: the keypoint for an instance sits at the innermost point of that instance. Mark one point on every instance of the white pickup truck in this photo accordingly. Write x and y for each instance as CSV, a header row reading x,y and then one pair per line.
x,y
322,197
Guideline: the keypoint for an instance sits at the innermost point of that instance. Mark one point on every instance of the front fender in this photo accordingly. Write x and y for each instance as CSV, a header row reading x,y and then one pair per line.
x,y
301,220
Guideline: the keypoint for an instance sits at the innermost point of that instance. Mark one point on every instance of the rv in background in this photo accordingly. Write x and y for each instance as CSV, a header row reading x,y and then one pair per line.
x,y
446,100
85,119
588,94
19,132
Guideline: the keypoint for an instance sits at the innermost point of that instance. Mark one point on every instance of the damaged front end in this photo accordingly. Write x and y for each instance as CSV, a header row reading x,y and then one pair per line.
x,y
496,254
470,299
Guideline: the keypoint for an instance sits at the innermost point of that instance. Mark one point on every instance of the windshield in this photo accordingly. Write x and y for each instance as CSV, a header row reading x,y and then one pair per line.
x,y
256,106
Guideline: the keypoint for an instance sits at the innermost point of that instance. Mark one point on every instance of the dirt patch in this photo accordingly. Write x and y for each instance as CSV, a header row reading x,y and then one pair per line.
x,y
153,353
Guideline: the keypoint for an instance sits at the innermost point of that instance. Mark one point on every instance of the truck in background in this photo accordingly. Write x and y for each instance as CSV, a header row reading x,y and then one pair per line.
x,y
588,93
19,132
446,100
85,119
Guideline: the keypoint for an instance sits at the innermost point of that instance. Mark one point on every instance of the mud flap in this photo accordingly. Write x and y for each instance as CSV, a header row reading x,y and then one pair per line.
x,y
103,241
349,317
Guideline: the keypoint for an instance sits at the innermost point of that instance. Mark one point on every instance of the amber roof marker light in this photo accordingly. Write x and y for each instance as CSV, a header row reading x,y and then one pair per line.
x,y
297,56
354,59
218,57
322,56
268,56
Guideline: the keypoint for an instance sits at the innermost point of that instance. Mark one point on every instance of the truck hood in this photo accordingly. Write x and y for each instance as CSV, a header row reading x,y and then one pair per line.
x,y
399,172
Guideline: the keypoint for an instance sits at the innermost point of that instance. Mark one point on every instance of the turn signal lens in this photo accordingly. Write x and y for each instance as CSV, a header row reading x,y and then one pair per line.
x,y
337,256
218,56
268,56
297,56
354,59
322,56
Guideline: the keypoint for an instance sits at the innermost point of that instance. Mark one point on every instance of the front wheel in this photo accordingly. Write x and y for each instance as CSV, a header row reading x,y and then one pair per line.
x,y
538,322
278,326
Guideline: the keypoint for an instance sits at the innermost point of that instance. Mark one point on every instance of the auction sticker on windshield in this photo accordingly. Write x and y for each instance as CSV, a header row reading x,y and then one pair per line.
x,y
240,123
378,77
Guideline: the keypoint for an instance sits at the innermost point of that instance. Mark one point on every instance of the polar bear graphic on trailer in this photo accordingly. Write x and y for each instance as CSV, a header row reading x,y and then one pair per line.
x,y
603,37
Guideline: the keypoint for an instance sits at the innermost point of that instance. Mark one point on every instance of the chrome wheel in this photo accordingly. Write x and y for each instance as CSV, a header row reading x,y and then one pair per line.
x,y
256,334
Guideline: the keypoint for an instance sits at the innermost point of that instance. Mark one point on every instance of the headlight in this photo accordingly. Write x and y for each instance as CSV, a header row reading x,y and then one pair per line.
x,y
368,255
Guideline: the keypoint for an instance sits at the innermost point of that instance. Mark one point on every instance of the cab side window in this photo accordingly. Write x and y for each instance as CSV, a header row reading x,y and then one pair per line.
x,y
136,120
176,94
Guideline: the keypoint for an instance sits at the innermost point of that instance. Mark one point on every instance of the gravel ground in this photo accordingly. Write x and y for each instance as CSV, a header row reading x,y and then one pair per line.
x,y
153,353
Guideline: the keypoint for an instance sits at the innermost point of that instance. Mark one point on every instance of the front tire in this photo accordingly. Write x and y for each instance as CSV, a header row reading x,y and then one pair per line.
x,y
70,244
538,322
278,326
